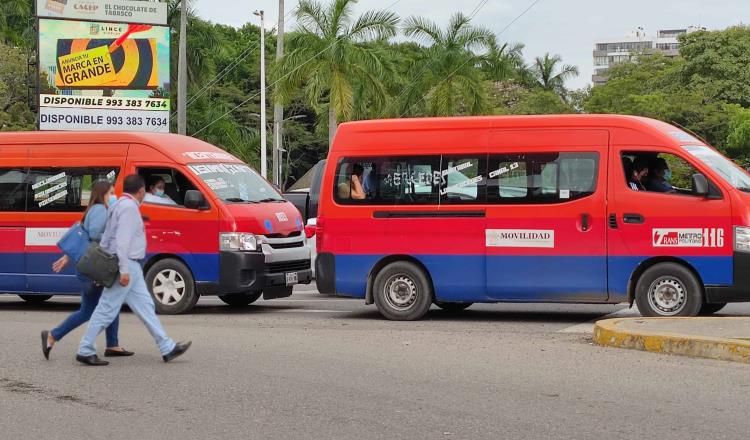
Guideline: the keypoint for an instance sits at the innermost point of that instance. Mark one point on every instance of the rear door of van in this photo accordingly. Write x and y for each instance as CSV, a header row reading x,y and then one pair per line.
x,y
59,188
546,215
13,175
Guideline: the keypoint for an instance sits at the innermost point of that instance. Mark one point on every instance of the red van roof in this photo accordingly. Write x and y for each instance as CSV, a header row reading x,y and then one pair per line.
x,y
181,149
358,135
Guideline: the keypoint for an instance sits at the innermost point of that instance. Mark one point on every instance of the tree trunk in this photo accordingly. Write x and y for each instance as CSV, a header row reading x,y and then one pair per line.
x,y
332,125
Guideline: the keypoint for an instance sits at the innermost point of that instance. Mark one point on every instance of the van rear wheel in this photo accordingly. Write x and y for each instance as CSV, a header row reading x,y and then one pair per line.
x,y
241,299
668,289
402,291
172,287
35,299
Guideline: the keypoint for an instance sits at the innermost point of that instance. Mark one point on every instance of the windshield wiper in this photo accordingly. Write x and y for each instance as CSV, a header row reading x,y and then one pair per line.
x,y
744,189
270,199
238,200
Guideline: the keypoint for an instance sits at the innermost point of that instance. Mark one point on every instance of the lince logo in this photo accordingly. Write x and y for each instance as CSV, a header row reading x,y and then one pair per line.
x,y
688,237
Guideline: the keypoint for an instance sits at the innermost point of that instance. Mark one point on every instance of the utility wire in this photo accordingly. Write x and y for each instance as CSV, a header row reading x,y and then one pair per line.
x,y
282,77
518,17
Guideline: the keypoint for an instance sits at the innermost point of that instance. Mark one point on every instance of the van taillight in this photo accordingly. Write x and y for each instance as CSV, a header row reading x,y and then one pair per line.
x,y
310,231
319,234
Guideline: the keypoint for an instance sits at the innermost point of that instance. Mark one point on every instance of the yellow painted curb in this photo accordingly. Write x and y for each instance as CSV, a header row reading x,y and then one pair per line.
x,y
611,333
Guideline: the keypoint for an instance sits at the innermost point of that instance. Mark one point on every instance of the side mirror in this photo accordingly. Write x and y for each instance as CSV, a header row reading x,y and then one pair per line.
x,y
195,200
700,185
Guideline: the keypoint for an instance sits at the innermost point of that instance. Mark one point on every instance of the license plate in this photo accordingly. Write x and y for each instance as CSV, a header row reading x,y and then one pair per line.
x,y
291,278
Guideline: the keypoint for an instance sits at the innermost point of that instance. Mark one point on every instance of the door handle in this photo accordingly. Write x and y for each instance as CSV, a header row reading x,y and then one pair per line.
x,y
633,218
585,219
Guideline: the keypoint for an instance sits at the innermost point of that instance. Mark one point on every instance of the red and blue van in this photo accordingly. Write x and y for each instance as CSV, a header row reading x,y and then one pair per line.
x,y
569,209
226,230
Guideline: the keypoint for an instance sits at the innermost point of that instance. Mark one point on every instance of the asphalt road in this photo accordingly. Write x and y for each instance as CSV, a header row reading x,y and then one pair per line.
x,y
317,367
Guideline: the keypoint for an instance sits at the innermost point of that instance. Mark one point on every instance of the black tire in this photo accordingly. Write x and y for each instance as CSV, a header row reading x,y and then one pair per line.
x,y
453,306
241,299
710,309
668,289
413,291
35,299
171,300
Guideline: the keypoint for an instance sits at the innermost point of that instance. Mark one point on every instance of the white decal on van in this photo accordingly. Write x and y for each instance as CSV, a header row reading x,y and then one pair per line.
x,y
468,182
48,180
521,238
208,155
219,168
502,170
687,237
111,176
51,199
564,193
282,217
457,168
44,236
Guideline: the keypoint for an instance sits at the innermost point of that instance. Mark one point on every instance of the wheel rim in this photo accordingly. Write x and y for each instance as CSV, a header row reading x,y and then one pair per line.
x,y
667,296
168,287
400,292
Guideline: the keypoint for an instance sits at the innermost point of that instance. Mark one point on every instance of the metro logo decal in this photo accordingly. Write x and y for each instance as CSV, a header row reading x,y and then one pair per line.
x,y
687,237
521,238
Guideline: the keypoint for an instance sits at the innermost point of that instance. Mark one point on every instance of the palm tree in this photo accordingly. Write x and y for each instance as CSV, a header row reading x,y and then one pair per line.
x,y
330,60
544,69
202,44
502,62
15,22
446,77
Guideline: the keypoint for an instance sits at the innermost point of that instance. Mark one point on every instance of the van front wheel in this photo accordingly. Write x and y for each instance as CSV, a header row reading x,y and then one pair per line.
x,y
402,291
668,289
172,287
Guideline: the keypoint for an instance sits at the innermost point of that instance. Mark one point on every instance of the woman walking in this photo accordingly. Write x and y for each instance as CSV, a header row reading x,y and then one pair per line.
x,y
94,220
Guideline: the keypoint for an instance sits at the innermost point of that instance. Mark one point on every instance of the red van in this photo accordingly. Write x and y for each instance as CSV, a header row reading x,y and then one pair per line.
x,y
225,231
575,208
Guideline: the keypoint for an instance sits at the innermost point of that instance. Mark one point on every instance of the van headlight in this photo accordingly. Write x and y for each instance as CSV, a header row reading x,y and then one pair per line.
x,y
742,239
238,241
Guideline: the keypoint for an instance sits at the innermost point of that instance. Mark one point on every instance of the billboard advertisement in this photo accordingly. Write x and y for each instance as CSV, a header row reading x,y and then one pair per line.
x,y
121,11
104,76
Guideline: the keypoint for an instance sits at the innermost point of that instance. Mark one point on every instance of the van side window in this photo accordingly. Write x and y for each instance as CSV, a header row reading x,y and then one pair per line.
x,y
64,189
657,172
12,189
528,178
407,180
464,180
174,182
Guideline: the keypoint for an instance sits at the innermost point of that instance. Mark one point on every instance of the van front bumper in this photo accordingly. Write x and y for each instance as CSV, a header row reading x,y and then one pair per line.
x,y
740,290
241,272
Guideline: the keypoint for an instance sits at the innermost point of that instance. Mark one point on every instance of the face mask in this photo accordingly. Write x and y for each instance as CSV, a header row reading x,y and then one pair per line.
x,y
667,174
160,193
111,200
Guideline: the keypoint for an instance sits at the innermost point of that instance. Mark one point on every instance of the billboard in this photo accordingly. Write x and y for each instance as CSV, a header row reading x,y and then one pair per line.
x,y
104,76
121,11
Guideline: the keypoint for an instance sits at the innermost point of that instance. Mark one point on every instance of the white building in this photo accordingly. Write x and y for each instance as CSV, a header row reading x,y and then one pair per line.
x,y
613,51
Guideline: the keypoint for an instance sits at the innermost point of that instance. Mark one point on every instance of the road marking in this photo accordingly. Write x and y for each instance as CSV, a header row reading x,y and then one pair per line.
x,y
588,327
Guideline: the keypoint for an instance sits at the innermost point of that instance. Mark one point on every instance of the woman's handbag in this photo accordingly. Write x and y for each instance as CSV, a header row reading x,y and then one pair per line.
x,y
75,242
99,265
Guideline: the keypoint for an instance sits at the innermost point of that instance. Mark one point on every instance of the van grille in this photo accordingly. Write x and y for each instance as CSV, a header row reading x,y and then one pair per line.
x,y
294,244
291,234
289,266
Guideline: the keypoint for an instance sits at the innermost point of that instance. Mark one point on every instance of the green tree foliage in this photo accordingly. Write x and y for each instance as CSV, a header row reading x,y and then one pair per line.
x,y
16,22
445,79
551,74
330,61
15,113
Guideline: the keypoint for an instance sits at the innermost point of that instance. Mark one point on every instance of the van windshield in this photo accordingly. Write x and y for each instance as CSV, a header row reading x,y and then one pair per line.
x,y
236,183
727,169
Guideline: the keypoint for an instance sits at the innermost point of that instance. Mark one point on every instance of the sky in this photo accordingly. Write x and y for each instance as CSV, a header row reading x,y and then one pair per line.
x,y
565,27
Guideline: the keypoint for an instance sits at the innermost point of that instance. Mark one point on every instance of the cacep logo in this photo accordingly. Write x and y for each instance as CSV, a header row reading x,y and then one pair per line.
x,y
86,7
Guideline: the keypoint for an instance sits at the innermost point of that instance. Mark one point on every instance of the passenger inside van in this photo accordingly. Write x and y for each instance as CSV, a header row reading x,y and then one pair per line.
x,y
155,193
352,188
659,176
638,175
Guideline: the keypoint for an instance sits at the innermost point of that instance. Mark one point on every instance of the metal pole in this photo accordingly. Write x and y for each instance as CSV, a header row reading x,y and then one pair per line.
x,y
182,72
263,160
278,109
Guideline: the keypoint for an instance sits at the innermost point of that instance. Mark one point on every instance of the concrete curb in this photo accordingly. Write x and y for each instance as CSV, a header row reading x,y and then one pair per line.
x,y
614,333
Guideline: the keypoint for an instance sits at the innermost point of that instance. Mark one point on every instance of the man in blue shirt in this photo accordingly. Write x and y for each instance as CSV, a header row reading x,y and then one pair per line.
x,y
125,237
659,176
